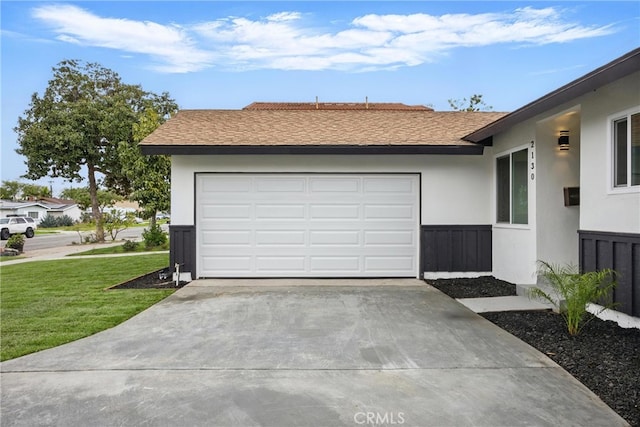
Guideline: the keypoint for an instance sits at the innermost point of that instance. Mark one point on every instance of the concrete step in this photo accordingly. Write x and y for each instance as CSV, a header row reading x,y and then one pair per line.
x,y
509,303
524,290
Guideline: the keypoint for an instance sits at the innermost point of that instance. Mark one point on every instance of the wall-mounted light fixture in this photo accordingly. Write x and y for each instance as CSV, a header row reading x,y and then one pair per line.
x,y
563,140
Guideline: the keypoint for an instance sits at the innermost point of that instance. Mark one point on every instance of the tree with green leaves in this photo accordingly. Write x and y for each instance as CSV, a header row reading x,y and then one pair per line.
x,y
16,190
10,190
35,191
82,196
475,103
149,176
78,124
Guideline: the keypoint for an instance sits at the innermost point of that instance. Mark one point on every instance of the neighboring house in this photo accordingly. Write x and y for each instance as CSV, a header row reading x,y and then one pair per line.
x,y
35,210
124,207
277,191
61,207
40,208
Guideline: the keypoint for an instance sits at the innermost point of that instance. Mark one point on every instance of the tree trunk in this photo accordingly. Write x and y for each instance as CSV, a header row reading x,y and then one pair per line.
x,y
95,206
152,220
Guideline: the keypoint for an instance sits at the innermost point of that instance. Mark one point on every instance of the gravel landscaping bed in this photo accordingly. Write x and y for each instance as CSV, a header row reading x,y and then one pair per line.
x,y
604,357
160,279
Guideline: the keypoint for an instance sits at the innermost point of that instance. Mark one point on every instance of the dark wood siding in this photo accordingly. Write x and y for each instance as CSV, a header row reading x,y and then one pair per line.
x,y
182,247
620,252
456,248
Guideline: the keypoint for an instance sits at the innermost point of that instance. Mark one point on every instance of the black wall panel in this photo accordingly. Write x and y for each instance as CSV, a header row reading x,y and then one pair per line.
x,y
619,252
182,248
456,248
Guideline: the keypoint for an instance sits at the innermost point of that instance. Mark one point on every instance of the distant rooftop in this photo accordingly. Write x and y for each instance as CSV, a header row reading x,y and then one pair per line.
x,y
375,106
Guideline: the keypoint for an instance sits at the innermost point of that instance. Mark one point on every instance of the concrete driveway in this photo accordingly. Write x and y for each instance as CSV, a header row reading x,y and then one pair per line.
x,y
298,353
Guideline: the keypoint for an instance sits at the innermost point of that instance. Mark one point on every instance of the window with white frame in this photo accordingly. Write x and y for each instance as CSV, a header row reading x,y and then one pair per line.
x,y
512,188
625,141
33,215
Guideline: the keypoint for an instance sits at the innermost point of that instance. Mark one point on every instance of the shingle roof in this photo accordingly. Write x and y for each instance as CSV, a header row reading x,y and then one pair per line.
x,y
271,128
47,204
374,106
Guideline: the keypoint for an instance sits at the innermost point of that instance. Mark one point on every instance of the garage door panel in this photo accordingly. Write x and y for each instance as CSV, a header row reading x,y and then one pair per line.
x,y
389,212
280,237
227,184
334,237
389,238
335,185
226,237
280,264
323,264
273,211
334,211
385,184
227,211
300,225
380,263
235,264
281,185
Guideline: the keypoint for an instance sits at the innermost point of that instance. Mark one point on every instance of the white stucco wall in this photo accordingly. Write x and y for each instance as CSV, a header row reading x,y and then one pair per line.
x,y
73,212
551,234
454,188
603,208
556,224
514,245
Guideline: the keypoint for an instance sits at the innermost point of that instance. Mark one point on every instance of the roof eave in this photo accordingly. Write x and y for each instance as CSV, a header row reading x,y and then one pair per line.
x,y
614,70
156,149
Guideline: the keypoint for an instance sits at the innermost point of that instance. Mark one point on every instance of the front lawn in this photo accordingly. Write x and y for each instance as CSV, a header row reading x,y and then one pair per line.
x,y
47,303
109,250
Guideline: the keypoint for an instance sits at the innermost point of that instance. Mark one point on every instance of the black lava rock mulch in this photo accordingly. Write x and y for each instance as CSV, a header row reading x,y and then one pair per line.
x,y
160,279
486,286
604,357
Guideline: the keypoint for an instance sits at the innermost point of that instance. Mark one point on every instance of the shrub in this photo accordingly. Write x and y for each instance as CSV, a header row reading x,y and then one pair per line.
x,y
571,291
52,222
16,242
116,221
154,236
129,246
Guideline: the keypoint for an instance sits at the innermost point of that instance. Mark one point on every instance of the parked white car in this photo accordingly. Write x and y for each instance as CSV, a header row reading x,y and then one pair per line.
x,y
17,225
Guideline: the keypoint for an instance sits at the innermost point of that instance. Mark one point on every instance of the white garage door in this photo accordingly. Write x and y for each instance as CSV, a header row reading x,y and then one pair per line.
x,y
266,225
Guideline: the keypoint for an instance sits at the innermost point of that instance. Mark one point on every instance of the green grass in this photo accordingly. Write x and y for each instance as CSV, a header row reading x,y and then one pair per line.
x,y
44,304
83,226
46,231
10,258
140,247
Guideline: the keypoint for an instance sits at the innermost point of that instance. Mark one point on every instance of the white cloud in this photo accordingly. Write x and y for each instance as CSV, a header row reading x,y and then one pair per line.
x,y
169,45
282,41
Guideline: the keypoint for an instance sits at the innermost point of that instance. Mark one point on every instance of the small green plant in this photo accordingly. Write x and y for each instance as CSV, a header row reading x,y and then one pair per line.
x,y
154,236
572,290
129,246
16,242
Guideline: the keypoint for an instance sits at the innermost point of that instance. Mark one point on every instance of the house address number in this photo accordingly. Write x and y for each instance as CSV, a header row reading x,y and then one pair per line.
x,y
533,163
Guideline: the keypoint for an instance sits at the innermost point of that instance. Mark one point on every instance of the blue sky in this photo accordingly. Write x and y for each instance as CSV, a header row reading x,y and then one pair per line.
x,y
213,54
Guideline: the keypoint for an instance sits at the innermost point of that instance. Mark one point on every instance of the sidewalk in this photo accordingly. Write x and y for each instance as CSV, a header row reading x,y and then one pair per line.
x,y
510,303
